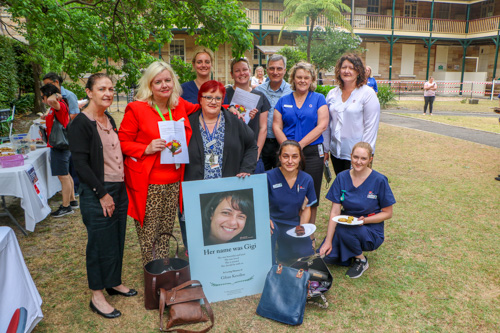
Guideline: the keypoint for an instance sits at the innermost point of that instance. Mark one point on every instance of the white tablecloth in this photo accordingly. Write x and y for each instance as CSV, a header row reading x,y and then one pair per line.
x,y
17,288
15,182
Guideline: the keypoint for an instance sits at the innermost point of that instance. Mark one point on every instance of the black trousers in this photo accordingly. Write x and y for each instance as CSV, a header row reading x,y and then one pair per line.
x,y
340,165
269,154
429,100
106,235
314,167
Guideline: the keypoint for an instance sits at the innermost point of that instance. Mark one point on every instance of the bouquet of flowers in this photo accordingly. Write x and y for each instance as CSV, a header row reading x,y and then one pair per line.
x,y
175,147
240,108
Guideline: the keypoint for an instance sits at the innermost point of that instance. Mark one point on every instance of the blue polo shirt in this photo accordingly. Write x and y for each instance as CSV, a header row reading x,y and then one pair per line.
x,y
273,97
285,202
298,122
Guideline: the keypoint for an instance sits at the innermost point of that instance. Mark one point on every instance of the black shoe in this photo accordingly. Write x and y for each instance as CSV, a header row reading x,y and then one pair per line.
x,y
62,211
130,293
74,204
114,314
357,268
497,178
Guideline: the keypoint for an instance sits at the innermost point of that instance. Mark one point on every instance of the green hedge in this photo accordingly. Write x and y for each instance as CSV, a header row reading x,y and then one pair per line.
x,y
8,72
324,89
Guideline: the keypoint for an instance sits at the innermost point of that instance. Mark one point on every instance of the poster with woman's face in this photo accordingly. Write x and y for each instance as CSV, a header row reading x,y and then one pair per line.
x,y
228,233
227,216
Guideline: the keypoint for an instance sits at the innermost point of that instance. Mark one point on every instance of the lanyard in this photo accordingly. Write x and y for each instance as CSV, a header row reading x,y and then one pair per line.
x,y
161,115
210,136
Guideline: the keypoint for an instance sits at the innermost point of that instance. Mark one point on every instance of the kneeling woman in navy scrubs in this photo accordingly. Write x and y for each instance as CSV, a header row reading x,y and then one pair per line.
x,y
363,193
291,195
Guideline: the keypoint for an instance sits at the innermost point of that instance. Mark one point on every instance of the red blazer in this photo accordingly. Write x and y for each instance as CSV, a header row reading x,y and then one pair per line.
x,y
138,128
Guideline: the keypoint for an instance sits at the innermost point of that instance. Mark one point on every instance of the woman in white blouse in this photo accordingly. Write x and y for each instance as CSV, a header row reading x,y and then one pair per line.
x,y
354,112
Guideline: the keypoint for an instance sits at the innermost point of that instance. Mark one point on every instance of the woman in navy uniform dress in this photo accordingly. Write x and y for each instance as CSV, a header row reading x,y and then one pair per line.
x,y
291,195
363,193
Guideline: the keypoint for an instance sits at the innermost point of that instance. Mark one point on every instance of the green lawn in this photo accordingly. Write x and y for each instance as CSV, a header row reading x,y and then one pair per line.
x,y
436,271
446,104
490,124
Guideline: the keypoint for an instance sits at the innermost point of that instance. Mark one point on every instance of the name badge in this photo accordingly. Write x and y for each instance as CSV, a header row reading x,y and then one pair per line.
x,y
320,150
371,195
277,185
287,106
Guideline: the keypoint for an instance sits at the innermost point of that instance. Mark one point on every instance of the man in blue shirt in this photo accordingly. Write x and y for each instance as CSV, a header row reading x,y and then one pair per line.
x,y
56,80
274,89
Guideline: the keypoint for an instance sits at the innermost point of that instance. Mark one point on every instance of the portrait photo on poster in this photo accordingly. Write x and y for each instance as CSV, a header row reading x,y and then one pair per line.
x,y
227,216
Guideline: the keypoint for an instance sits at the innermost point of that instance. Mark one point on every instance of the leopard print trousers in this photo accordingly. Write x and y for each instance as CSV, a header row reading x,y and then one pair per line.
x,y
161,210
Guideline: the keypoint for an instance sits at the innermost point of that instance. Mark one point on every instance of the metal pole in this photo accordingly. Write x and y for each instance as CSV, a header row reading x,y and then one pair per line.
x,y
260,31
464,44
392,41
430,42
497,42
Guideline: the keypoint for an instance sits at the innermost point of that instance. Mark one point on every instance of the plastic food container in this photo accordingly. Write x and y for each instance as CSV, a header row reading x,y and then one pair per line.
x,y
11,161
21,143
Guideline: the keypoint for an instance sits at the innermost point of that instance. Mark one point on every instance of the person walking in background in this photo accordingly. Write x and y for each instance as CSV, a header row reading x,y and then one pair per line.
x,y
274,89
98,159
153,187
430,88
258,77
370,80
303,116
354,112
202,64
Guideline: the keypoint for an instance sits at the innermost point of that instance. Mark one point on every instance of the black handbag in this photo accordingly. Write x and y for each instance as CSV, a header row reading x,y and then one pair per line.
x,y
320,278
284,295
58,137
163,273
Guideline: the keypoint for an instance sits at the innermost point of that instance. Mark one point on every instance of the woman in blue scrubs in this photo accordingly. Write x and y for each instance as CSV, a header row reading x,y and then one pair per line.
x,y
363,193
303,116
291,195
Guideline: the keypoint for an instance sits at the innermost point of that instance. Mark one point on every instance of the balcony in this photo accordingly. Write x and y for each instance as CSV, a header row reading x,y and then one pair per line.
x,y
381,25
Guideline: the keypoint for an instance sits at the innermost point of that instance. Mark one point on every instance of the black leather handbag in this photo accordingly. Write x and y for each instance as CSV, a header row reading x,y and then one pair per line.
x,y
58,138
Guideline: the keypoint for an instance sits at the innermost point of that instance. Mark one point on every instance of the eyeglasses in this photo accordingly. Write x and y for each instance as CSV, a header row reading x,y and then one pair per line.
x,y
210,99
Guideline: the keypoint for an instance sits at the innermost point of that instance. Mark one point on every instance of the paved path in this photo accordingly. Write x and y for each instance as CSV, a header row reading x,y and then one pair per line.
x,y
482,137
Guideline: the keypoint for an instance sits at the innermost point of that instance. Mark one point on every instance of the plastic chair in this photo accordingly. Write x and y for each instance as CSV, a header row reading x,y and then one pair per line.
x,y
18,322
7,118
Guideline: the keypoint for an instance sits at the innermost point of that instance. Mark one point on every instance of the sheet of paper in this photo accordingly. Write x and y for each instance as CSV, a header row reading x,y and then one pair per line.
x,y
177,150
247,99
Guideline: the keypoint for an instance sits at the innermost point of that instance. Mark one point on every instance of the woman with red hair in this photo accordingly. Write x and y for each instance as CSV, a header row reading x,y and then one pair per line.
x,y
221,144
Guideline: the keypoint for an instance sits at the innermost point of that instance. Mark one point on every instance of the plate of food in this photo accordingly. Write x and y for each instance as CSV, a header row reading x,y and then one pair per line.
x,y
348,220
303,230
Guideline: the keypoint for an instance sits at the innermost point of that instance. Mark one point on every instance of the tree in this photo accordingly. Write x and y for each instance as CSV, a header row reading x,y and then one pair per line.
x,y
8,72
293,56
328,46
296,11
119,36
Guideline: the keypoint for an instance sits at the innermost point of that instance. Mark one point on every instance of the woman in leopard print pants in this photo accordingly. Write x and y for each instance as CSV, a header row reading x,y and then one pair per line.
x,y
153,188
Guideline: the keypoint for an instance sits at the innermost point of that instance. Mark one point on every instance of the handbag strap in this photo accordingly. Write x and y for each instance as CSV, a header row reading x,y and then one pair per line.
x,y
163,301
154,244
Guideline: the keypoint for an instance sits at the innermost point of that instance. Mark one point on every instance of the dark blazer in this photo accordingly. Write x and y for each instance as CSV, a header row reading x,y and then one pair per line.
x,y
86,150
240,149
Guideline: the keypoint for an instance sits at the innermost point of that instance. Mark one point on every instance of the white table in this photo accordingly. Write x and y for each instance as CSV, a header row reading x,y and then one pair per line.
x,y
15,182
17,288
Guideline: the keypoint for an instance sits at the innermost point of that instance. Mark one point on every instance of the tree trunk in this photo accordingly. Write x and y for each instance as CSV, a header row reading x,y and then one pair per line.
x,y
309,39
38,107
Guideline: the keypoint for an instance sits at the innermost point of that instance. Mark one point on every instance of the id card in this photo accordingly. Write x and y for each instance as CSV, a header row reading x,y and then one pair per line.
x,y
320,150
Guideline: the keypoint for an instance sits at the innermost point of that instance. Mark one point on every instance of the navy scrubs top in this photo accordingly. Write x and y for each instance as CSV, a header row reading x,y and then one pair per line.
x,y
369,198
190,92
285,202
297,123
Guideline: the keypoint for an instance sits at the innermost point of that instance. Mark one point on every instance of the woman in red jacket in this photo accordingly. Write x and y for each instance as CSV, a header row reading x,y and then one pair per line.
x,y
153,188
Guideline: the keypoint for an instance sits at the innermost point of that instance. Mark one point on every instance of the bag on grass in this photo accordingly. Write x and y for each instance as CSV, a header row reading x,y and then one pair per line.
x,y
184,306
320,278
163,273
284,295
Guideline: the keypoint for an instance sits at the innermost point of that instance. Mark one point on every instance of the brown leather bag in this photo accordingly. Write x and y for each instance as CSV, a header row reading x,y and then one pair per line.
x,y
163,273
185,307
